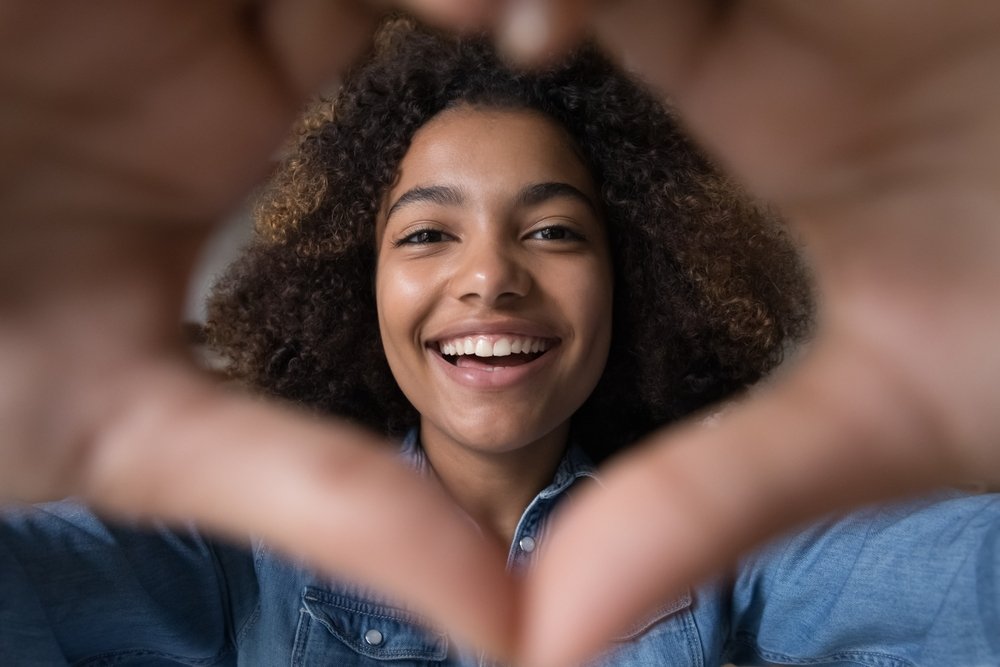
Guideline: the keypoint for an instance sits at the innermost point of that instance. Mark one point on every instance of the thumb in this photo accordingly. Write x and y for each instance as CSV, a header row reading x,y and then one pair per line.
x,y
835,432
326,493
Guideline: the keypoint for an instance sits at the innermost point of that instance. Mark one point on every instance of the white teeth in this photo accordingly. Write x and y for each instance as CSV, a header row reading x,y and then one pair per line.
x,y
484,346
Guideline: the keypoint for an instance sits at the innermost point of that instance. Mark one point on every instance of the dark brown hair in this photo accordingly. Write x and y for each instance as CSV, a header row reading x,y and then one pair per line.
x,y
709,290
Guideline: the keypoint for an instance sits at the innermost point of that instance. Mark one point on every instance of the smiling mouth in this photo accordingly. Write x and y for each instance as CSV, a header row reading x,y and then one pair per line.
x,y
491,352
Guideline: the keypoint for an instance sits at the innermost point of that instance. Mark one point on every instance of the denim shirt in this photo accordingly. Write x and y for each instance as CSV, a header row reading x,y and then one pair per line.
x,y
910,584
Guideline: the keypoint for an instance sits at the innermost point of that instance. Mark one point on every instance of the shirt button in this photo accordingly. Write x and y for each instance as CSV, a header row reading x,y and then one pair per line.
x,y
527,544
374,637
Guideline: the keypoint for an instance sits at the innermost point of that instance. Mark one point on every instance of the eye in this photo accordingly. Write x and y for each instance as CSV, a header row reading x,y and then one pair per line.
x,y
555,233
421,237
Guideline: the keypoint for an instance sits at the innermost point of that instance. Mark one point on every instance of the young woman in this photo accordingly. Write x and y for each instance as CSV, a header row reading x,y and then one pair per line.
x,y
519,275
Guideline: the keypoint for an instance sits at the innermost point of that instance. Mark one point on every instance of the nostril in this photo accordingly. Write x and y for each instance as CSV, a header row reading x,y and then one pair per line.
x,y
493,276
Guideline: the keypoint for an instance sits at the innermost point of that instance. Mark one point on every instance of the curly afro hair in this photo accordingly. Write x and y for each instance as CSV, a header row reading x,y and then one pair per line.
x,y
709,289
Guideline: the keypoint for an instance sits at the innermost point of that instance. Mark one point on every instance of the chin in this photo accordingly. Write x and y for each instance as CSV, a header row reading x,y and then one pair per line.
x,y
493,441
496,437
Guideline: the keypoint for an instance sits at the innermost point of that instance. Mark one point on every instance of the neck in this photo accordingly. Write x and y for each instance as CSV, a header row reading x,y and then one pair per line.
x,y
494,488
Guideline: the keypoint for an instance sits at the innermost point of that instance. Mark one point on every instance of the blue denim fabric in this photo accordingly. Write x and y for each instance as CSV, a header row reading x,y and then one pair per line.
x,y
908,584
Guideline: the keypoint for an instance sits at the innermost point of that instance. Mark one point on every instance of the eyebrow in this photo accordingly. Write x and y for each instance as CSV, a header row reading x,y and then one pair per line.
x,y
532,195
442,195
542,192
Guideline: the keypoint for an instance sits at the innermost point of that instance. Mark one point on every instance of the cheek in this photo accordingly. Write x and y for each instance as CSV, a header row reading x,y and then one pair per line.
x,y
401,297
599,312
594,300
585,295
393,286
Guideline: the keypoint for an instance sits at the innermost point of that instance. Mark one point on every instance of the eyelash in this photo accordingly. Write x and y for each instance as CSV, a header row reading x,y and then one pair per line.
x,y
568,234
412,238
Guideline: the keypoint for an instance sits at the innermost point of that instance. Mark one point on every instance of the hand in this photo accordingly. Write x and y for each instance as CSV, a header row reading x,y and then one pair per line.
x,y
876,129
128,130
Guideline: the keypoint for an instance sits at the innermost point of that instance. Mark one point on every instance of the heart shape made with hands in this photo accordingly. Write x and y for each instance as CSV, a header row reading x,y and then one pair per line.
x,y
119,190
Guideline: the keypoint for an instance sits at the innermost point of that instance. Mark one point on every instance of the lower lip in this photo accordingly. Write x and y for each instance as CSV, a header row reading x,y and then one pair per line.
x,y
500,377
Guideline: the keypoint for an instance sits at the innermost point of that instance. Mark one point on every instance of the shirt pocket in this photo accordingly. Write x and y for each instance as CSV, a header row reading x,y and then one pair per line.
x,y
349,631
669,609
667,636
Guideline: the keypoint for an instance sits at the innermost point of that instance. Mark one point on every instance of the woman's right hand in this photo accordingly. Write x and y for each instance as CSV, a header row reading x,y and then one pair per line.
x,y
128,130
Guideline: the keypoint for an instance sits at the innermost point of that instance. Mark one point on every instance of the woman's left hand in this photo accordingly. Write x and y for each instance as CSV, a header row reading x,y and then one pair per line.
x,y
875,127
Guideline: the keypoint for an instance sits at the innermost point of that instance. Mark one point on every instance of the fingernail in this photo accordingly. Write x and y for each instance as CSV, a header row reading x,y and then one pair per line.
x,y
525,30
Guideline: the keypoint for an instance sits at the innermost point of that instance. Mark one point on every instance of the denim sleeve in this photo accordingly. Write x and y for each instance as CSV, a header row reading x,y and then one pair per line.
x,y
77,590
903,585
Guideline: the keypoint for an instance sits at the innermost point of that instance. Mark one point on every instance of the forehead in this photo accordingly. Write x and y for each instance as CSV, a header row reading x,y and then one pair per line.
x,y
487,150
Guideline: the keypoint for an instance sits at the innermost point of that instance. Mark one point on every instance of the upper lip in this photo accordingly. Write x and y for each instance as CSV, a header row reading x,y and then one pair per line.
x,y
510,327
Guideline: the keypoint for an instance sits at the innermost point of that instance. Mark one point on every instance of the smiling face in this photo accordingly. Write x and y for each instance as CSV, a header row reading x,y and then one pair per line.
x,y
494,280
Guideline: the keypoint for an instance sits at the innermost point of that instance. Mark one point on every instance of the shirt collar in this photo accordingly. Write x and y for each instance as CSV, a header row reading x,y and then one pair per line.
x,y
574,465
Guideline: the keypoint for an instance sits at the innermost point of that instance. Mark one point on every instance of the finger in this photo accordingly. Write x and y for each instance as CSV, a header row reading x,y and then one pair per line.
x,y
312,41
126,113
661,41
655,39
459,15
838,431
529,32
536,32
331,495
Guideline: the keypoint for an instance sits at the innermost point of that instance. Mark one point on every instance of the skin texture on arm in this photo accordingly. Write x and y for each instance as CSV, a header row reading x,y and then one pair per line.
x,y
876,131
128,131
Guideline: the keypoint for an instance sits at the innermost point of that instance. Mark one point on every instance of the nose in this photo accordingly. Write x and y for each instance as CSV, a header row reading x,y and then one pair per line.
x,y
492,271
